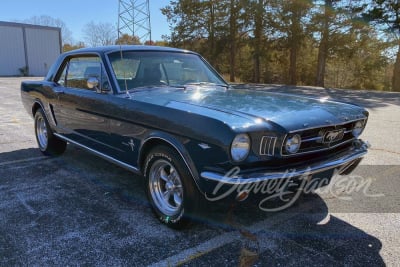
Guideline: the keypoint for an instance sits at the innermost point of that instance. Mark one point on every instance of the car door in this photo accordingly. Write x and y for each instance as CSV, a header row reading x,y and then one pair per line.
x,y
125,131
80,111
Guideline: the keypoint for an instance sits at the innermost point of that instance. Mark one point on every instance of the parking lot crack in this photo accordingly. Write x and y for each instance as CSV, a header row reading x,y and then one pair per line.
x,y
26,205
385,150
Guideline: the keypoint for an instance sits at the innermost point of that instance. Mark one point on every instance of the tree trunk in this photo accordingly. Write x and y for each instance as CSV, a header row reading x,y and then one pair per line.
x,y
323,46
295,41
320,81
232,33
396,73
293,65
258,29
256,67
212,33
232,62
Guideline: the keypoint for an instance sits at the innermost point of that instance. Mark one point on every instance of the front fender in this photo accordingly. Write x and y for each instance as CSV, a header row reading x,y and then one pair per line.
x,y
157,138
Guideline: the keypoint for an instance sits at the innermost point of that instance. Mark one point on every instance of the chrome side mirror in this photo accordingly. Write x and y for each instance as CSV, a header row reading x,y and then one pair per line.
x,y
92,82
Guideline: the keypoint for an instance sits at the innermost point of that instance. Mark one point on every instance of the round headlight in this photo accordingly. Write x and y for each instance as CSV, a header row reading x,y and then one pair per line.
x,y
240,147
358,128
293,143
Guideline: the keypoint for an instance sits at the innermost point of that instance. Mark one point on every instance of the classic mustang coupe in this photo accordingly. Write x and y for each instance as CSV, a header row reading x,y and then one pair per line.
x,y
168,115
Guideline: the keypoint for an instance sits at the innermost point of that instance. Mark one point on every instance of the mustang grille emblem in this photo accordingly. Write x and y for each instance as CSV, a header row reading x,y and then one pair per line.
x,y
333,136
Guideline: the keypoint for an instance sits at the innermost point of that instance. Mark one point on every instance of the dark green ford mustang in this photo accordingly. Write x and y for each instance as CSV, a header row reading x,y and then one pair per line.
x,y
167,114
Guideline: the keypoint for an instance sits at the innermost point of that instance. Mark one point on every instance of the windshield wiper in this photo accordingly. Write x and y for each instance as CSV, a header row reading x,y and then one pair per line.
x,y
184,87
145,87
207,84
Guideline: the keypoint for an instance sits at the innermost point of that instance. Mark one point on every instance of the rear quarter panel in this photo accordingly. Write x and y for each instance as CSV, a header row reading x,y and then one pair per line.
x,y
38,92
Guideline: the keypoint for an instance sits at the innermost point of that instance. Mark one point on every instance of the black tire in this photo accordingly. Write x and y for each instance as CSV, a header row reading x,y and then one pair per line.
x,y
174,197
48,143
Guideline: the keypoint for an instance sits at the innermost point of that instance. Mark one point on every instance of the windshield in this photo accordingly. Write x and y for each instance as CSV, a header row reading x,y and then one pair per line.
x,y
139,69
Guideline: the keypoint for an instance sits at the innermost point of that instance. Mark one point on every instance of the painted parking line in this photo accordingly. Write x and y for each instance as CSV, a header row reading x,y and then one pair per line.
x,y
11,162
198,250
226,238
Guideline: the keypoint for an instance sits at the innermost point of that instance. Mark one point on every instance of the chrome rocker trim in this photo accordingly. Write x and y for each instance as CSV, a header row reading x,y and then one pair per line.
x,y
360,149
101,155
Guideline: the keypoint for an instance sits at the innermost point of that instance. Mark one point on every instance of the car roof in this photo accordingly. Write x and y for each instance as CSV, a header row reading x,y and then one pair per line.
x,y
115,48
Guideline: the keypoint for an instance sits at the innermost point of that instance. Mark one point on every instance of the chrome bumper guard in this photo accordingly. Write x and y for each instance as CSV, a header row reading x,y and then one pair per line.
x,y
359,150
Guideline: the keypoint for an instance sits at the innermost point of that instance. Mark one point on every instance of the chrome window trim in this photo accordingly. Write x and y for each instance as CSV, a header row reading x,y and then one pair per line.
x,y
66,60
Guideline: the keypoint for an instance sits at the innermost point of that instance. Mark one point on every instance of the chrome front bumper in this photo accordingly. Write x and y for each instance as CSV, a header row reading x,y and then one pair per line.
x,y
339,161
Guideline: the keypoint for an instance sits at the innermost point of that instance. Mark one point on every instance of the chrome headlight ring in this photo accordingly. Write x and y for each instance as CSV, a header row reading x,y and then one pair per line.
x,y
292,144
240,147
358,128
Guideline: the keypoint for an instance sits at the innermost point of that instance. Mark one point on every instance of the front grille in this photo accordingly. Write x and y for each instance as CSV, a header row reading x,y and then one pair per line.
x,y
322,138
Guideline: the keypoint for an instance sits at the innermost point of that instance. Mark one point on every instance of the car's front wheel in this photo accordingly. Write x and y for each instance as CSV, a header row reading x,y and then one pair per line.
x,y
48,143
170,188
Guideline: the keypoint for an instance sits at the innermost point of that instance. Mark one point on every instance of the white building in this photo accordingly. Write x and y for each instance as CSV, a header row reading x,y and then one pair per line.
x,y
28,49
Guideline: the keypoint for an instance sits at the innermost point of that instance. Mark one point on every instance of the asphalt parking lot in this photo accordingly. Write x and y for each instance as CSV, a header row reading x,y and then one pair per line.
x,y
77,209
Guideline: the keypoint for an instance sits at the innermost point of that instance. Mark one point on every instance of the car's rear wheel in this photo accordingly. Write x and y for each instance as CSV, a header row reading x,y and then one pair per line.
x,y
170,187
48,143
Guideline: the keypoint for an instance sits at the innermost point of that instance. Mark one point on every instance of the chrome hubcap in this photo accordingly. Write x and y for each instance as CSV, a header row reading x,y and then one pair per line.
x,y
41,132
165,187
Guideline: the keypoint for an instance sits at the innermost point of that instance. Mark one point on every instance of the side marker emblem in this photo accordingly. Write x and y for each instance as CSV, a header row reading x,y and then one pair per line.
x,y
131,144
204,146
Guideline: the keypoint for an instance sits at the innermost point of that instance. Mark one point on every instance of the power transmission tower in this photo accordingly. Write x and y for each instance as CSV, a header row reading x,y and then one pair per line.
x,y
134,19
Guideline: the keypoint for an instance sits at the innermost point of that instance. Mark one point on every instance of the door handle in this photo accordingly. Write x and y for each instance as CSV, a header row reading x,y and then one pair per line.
x,y
58,91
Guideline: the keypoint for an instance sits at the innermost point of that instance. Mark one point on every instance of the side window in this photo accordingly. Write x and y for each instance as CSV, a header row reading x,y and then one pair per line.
x,y
79,69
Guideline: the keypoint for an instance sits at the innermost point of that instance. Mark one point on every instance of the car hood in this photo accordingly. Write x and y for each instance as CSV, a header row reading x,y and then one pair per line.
x,y
245,108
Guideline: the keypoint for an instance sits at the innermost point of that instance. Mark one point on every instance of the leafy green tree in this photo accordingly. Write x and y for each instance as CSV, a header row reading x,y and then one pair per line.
x,y
300,42
69,47
291,20
210,27
194,22
255,21
235,14
127,39
326,18
386,14
360,64
333,20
